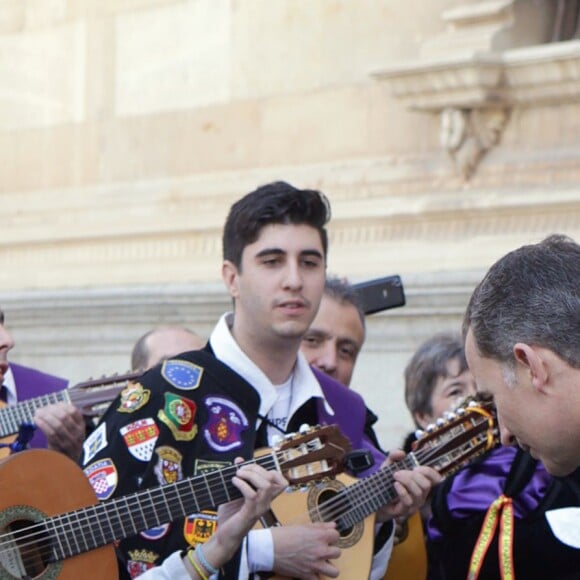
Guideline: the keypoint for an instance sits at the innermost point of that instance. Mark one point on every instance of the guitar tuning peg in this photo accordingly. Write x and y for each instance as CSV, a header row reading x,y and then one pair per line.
x,y
304,428
276,440
472,404
419,433
449,415
460,411
430,428
440,422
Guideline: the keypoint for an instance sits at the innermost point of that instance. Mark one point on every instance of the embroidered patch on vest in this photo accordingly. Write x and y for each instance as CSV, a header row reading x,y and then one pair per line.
x,y
102,476
140,437
179,414
96,441
225,425
156,533
203,466
168,467
198,528
133,397
140,561
182,374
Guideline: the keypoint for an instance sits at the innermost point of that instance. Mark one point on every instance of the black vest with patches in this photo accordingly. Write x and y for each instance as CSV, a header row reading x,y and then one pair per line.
x,y
194,445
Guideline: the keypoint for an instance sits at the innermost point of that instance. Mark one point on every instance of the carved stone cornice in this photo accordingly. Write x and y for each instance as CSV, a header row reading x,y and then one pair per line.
x,y
524,76
476,72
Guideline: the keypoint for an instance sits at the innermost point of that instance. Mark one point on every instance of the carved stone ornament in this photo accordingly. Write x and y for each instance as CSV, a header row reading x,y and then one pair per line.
x,y
467,135
492,56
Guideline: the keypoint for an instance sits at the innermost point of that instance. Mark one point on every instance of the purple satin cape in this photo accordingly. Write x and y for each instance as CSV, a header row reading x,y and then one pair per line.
x,y
476,486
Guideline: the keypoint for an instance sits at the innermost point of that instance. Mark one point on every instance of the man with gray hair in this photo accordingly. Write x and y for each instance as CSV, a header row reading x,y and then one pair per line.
x,y
522,330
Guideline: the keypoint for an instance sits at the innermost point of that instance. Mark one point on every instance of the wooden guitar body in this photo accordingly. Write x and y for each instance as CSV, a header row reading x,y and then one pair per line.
x,y
35,484
52,526
5,441
300,506
351,503
409,558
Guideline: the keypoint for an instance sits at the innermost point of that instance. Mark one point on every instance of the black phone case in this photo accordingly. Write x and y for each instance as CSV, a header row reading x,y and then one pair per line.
x,y
380,294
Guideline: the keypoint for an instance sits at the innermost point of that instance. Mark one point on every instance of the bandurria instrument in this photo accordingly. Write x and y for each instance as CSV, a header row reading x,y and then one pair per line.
x,y
468,432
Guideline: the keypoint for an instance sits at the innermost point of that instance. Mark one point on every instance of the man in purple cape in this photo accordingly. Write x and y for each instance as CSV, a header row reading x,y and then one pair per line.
x,y
60,426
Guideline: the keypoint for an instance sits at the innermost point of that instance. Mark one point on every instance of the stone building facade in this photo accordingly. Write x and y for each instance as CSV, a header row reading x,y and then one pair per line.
x,y
444,132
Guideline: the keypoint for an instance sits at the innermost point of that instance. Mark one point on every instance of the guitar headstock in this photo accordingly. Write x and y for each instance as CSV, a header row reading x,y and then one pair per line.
x,y
93,397
312,454
464,433
114,379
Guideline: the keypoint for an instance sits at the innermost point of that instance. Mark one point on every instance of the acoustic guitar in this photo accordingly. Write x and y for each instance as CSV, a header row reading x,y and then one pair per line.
x,y
52,526
468,432
87,396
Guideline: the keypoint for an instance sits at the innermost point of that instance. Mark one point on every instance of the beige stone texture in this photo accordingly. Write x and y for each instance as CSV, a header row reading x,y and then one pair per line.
x,y
128,127
43,72
173,57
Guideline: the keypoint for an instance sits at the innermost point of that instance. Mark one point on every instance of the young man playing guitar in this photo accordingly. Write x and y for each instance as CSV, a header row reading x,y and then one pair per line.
x,y
249,385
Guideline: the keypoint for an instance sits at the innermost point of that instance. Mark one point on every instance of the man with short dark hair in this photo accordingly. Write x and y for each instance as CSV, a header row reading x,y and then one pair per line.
x,y
247,387
522,329
336,336
334,339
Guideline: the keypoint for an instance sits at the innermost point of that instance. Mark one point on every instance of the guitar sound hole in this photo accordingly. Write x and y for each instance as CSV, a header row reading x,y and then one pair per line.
x,y
324,506
326,495
24,553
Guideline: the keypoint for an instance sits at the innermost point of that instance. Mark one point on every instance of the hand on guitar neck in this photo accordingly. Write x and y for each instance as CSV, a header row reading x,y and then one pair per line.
x,y
412,487
307,551
235,519
59,414
64,427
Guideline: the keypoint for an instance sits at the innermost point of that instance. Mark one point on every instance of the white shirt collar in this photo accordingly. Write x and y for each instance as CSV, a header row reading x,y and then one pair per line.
x,y
10,387
226,349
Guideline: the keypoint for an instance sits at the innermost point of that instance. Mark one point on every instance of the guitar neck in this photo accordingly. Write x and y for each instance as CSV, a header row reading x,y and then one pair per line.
x,y
364,497
82,530
83,395
356,502
13,416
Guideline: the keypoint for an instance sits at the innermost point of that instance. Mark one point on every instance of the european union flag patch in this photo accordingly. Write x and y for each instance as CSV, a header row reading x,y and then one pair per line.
x,y
182,374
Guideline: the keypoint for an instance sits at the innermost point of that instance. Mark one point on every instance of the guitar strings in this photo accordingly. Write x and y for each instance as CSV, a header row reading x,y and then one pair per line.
x,y
339,507
70,529
23,412
13,416
343,506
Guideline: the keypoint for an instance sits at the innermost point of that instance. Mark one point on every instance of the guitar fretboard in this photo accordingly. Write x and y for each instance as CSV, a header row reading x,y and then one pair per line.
x,y
366,496
82,395
95,526
23,412
356,502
